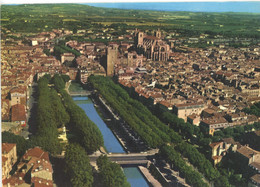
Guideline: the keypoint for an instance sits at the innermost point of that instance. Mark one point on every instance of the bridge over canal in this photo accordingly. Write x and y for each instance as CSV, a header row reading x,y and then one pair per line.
x,y
81,93
126,158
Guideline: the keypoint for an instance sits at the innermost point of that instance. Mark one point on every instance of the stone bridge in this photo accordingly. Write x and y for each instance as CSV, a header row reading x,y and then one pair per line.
x,y
127,158
83,93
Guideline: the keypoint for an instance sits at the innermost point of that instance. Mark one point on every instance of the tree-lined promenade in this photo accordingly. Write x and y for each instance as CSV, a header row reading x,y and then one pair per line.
x,y
156,134
86,139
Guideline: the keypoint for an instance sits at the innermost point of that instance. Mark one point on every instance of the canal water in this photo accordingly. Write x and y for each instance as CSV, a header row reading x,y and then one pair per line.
x,y
134,176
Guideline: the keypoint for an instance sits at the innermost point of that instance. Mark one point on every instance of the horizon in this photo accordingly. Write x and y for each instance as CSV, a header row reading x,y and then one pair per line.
x,y
203,6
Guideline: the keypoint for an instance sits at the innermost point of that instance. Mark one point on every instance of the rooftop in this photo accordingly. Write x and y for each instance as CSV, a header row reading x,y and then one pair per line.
x,y
247,151
18,113
7,147
256,178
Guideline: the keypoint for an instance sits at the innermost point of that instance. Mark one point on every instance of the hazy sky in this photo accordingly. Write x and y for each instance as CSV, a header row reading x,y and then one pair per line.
x,y
103,1
252,6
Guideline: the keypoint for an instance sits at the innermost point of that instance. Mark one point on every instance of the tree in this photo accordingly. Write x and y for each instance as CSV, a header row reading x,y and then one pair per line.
x,y
60,114
21,144
111,173
78,166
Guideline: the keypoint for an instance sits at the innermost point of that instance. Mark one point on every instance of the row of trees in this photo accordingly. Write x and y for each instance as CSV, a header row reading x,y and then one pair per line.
x,y
132,110
111,173
86,138
198,160
84,131
60,49
176,162
150,128
198,135
51,115
78,166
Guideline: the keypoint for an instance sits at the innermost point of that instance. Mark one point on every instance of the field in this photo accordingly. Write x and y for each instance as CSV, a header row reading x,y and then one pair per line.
x,y
45,17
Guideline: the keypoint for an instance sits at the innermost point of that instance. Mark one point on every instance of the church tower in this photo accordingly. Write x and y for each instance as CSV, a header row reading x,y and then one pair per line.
x,y
111,59
140,38
158,33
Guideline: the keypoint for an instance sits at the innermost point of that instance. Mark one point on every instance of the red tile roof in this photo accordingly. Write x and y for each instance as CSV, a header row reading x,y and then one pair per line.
x,y
16,179
247,151
7,147
18,113
256,178
36,152
39,182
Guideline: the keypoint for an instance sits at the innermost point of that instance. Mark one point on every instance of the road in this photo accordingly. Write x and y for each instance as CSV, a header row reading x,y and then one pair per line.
x,y
32,106
31,100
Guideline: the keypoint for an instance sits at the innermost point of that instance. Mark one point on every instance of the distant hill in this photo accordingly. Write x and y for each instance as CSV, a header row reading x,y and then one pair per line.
x,y
44,17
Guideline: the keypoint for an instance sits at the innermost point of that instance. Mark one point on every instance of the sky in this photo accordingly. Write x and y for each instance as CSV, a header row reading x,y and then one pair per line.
x,y
252,6
108,1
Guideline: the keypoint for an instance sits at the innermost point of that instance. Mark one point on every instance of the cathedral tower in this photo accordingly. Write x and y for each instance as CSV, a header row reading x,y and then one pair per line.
x,y
158,33
111,59
140,38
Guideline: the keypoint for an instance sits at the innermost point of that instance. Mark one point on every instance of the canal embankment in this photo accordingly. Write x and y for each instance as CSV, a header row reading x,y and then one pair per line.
x,y
112,137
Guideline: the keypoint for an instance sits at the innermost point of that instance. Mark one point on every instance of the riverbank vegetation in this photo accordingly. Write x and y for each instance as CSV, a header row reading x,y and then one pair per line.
x,y
84,131
111,173
51,114
150,128
78,166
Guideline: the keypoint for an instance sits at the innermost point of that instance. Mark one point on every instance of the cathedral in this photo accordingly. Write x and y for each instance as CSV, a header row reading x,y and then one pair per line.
x,y
153,47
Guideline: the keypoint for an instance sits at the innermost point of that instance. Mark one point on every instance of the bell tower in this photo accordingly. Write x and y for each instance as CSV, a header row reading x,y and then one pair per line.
x,y
140,38
158,33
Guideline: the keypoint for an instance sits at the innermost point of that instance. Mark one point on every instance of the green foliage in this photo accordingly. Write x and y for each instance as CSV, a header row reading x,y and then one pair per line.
x,y
47,52
60,49
60,115
50,115
86,133
150,128
235,132
78,166
65,78
198,160
21,144
254,109
35,18
111,173
222,181
59,83
176,162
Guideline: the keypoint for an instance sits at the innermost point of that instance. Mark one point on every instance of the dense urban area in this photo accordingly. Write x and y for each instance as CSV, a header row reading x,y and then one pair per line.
x,y
180,92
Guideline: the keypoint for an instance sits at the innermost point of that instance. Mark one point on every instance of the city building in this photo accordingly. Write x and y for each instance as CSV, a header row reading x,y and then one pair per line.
x,y
111,59
153,47
34,169
9,158
187,109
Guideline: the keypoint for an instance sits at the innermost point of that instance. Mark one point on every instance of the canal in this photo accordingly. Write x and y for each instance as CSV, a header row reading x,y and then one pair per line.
x,y
112,145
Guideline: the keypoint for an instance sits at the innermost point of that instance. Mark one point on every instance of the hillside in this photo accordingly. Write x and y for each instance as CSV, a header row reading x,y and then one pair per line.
x,y
44,17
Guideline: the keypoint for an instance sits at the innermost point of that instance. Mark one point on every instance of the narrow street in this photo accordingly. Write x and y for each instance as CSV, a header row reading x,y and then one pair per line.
x,y
32,109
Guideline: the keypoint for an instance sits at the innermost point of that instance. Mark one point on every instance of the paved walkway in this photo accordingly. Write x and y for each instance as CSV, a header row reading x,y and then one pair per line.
x,y
149,177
